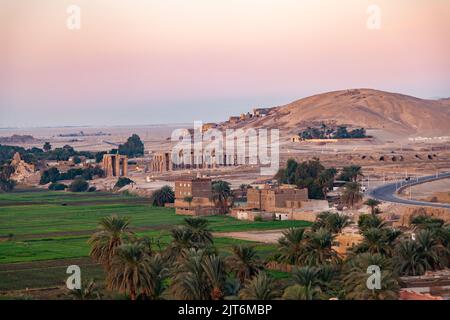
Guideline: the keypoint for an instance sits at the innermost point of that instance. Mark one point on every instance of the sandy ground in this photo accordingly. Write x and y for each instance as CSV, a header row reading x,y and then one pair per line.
x,y
257,236
439,190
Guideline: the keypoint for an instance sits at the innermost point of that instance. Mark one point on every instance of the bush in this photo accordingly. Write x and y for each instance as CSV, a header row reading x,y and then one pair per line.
x,y
79,185
122,182
162,196
57,187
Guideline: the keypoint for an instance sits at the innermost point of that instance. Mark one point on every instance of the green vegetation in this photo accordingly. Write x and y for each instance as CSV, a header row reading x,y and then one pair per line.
x,y
162,196
6,184
52,225
122,182
326,132
53,175
310,174
79,185
134,147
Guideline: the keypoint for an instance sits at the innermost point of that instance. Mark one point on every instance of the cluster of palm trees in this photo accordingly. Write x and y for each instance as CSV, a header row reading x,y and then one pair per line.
x,y
190,267
320,273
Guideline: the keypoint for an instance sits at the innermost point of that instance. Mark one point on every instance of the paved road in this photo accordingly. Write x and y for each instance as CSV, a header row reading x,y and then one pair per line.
x,y
388,192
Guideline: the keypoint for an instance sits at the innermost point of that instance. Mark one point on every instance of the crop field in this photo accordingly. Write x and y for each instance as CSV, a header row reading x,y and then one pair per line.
x,y
43,230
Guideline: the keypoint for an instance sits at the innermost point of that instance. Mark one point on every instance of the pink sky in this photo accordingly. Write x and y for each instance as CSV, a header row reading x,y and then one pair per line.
x,y
133,61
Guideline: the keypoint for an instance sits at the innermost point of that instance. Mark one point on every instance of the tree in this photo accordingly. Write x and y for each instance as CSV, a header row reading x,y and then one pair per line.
x,y
221,193
244,262
88,291
57,187
298,292
356,277
326,180
351,194
373,204
130,270
350,173
134,147
291,246
415,257
122,182
367,221
47,147
79,185
333,222
198,276
260,287
162,196
50,175
378,241
318,249
189,200
200,235
112,232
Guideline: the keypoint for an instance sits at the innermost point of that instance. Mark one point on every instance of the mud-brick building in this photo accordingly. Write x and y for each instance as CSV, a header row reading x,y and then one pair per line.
x,y
269,199
280,203
199,192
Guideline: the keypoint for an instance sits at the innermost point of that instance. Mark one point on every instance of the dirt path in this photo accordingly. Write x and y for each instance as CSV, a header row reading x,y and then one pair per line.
x,y
270,236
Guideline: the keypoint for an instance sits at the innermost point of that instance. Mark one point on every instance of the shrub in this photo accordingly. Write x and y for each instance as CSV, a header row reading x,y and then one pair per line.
x,y
79,185
162,196
122,182
57,187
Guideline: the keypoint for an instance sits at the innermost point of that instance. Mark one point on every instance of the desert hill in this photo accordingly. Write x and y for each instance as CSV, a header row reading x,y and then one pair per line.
x,y
371,109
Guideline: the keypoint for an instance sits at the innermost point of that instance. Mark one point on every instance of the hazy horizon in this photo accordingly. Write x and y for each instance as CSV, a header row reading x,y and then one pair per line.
x,y
163,62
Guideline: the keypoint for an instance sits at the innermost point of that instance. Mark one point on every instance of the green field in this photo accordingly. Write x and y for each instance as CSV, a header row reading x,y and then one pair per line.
x,y
57,225
40,226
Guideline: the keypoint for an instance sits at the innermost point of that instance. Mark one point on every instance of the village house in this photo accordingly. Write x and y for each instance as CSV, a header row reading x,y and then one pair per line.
x,y
280,203
260,112
194,197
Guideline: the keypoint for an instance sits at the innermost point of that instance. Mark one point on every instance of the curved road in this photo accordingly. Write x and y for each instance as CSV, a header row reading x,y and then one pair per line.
x,y
388,192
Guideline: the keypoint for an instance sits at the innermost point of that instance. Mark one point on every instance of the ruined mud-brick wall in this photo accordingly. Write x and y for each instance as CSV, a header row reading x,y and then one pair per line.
x,y
404,213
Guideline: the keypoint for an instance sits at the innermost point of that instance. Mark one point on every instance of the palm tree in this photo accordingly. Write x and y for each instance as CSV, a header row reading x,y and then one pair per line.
x,y
47,146
351,194
351,173
299,292
260,287
189,200
221,193
367,221
157,278
319,249
88,291
307,276
356,277
333,222
162,196
377,240
130,270
214,268
291,245
113,232
326,179
197,276
181,239
244,262
373,204
407,259
200,234
415,257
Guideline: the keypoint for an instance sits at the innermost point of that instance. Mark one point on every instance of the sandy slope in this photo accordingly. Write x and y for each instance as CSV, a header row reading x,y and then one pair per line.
x,y
401,114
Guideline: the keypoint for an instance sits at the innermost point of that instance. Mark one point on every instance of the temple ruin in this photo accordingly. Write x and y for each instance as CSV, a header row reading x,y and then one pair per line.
x,y
115,165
